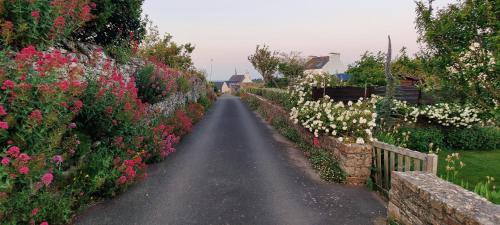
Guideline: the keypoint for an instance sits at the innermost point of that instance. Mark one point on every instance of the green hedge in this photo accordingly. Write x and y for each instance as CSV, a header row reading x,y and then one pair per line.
x,y
475,138
278,96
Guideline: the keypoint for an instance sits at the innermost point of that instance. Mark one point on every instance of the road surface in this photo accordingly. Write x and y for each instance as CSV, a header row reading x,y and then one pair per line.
x,y
233,169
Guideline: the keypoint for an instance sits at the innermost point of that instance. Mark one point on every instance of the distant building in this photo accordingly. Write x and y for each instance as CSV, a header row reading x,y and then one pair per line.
x,y
222,87
236,81
330,64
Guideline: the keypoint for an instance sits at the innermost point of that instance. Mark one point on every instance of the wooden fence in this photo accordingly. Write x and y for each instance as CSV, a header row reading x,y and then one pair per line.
x,y
405,93
388,158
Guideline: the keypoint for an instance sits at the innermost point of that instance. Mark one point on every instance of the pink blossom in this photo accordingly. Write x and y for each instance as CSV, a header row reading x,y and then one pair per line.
x,y
122,180
34,211
8,84
5,161
14,151
4,125
35,14
2,111
47,178
57,159
72,126
36,115
316,142
24,170
24,157
44,223
130,171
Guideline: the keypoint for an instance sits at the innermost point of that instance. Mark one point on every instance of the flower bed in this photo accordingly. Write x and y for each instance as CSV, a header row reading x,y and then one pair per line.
x,y
72,133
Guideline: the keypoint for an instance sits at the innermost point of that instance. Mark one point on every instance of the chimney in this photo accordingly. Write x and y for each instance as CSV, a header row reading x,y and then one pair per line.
x,y
337,65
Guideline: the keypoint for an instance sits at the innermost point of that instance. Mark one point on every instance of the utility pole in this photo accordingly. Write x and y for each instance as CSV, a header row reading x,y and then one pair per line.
x,y
211,68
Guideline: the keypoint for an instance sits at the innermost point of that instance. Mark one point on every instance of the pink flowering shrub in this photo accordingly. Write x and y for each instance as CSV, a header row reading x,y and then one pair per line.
x,y
156,81
39,97
42,21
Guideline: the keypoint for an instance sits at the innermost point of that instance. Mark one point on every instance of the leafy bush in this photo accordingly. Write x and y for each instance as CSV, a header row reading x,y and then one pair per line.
x,y
476,138
41,22
278,96
155,82
115,22
205,102
419,138
183,84
195,111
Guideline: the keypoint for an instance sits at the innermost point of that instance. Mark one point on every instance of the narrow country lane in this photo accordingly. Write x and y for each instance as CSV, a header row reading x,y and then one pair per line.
x,y
232,170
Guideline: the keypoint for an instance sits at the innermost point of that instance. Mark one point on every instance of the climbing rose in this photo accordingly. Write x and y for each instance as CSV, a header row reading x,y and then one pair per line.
x,y
47,178
24,170
5,161
4,125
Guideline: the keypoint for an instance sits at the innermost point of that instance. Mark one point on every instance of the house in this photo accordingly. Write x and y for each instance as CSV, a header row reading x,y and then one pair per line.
x,y
330,64
408,80
235,82
222,87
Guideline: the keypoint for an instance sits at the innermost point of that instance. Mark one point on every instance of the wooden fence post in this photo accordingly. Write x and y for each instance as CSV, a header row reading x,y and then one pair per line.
x,y
432,161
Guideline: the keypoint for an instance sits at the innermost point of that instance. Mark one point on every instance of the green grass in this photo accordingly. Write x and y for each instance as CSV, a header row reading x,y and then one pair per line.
x,y
478,165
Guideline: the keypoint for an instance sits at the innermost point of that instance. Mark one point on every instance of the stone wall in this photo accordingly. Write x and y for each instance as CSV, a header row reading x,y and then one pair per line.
x,y
92,62
419,198
354,159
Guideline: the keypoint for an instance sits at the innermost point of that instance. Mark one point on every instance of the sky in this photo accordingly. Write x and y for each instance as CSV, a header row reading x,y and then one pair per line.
x,y
227,31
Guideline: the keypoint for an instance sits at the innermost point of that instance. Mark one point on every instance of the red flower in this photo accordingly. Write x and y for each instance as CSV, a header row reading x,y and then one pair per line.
x,y
2,111
93,5
85,14
13,151
8,84
34,211
316,142
24,170
122,180
44,223
78,105
36,115
59,22
4,125
47,179
5,161
36,15
130,172
24,157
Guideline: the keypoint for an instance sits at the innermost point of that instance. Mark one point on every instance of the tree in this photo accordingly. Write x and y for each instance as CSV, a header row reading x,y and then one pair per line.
x,y
369,70
461,46
115,22
265,62
166,51
291,65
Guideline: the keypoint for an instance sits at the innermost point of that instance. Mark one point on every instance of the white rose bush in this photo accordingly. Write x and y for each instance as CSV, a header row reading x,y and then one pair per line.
x,y
350,122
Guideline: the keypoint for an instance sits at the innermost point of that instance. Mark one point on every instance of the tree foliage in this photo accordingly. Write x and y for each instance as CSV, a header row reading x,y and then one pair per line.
x,y
368,70
163,49
265,62
291,65
115,22
460,46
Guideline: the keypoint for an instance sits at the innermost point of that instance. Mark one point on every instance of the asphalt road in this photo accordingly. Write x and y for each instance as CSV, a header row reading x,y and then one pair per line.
x,y
234,169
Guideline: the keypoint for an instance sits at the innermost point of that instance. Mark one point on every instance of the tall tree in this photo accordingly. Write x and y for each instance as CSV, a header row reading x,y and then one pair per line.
x,y
265,62
291,65
369,70
461,46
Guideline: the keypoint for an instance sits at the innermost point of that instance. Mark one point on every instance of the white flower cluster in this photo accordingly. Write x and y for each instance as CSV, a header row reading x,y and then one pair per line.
x,y
301,91
475,66
351,122
444,114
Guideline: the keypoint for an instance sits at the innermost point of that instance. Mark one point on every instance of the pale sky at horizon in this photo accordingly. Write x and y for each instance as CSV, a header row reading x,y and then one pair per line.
x,y
227,31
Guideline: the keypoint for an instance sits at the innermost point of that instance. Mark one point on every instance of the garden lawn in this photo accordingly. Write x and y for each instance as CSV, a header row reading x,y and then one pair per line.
x,y
478,165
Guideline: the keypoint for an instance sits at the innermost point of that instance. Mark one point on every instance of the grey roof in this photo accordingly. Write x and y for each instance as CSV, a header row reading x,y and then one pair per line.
x,y
237,78
317,62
